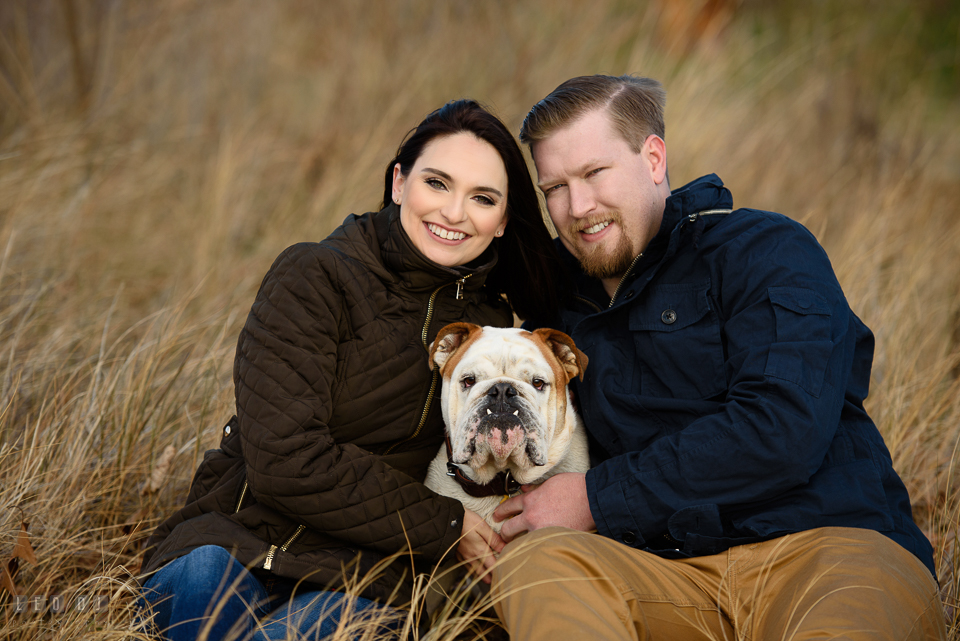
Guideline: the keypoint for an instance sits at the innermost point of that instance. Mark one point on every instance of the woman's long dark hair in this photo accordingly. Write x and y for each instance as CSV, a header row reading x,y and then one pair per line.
x,y
528,269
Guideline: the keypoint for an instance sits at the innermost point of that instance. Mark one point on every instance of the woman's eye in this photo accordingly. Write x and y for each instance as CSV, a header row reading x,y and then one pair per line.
x,y
539,384
436,183
467,381
485,200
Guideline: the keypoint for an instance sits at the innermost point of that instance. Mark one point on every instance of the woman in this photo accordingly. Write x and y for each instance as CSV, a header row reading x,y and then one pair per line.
x,y
318,478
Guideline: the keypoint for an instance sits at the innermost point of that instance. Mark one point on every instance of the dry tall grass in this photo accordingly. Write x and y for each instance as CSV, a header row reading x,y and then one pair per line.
x,y
155,157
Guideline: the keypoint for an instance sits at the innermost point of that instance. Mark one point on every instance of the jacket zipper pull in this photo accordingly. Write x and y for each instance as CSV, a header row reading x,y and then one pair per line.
x,y
272,552
460,284
268,562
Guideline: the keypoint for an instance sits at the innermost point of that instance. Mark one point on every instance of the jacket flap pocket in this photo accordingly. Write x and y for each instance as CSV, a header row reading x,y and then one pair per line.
x,y
671,307
848,495
799,300
698,519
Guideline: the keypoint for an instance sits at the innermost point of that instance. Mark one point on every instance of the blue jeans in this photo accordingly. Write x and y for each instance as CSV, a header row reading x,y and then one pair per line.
x,y
209,590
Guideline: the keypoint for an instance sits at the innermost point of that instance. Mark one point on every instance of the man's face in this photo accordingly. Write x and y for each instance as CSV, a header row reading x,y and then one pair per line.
x,y
605,199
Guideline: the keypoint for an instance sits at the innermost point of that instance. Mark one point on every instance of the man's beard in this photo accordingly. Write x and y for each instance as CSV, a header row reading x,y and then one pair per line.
x,y
596,261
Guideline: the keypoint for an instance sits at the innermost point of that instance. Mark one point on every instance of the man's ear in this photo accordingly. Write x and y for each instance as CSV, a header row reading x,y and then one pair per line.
x,y
655,153
574,361
449,341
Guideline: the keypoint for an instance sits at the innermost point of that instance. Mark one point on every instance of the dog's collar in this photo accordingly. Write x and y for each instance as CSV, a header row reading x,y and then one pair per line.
x,y
501,485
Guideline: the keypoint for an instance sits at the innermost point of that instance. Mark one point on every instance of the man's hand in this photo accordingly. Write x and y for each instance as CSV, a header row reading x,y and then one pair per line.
x,y
561,500
478,545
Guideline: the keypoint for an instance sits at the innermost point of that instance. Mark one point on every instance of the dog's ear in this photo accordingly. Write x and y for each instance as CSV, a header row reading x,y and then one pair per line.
x,y
449,339
573,360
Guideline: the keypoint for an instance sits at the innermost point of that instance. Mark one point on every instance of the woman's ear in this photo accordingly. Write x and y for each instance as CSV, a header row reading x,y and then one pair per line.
x,y
398,180
503,222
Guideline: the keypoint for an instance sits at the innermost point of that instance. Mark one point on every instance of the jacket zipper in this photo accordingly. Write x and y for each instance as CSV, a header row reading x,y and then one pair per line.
x,y
691,218
458,295
268,562
435,377
708,212
243,494
623,279
433,297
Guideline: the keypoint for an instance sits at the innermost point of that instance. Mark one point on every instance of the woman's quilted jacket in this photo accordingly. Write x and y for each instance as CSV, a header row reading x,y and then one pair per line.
x,y
319,475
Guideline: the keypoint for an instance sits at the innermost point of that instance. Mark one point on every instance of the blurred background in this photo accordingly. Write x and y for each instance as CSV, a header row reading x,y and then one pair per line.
x,y
155,157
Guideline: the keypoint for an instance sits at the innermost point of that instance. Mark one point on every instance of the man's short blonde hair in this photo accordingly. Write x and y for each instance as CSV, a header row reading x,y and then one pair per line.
x,y
635,106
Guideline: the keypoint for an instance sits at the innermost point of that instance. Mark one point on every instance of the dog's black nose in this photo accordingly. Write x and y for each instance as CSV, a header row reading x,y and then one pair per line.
x,y
503,403
502,390
501,396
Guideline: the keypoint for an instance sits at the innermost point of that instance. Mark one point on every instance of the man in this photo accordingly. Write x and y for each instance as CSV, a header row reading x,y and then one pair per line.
x,y
739,489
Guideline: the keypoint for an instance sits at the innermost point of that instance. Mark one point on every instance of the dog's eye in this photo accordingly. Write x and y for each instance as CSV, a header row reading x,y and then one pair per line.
x,y
467,381
539,384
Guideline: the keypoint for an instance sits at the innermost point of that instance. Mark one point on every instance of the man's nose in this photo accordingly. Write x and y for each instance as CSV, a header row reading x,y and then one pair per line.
x,y
582,202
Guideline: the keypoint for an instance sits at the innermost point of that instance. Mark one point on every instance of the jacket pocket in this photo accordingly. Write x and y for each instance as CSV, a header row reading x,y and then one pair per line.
x,y
848,495
803,346
211,528
222,471
676,334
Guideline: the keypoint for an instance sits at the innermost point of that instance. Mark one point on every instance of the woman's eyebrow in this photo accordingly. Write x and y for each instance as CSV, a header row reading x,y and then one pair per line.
x,y
446,176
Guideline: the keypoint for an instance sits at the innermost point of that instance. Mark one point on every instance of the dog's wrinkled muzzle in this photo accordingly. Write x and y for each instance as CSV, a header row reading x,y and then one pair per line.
x,y
501,427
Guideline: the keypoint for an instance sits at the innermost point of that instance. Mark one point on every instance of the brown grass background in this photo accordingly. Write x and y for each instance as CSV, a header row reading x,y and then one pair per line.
x,y
156,156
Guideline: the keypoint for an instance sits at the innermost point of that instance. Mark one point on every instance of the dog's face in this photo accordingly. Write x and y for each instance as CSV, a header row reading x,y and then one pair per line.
x,y
504,397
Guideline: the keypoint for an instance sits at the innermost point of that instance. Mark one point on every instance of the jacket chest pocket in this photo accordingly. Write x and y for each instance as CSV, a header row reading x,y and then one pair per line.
x,y
676,334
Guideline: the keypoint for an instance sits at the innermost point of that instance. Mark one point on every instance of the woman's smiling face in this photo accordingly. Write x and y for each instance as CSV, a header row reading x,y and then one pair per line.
x,y
454,200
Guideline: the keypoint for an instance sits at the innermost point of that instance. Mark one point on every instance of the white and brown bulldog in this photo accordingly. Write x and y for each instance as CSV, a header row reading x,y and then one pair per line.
x,y
509,415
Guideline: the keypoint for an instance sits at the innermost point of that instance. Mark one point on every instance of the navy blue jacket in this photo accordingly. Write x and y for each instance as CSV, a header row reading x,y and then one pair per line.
x,y
725,386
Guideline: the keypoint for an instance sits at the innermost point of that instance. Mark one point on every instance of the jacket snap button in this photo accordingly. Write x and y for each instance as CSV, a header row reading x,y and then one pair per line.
x,y
669,317
226,430
629,537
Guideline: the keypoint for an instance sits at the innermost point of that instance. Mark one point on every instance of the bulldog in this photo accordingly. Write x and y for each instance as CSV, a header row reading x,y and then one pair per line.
x,y
509,415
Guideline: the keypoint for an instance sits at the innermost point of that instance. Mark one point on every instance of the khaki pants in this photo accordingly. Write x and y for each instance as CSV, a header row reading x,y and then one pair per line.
x,y
829,583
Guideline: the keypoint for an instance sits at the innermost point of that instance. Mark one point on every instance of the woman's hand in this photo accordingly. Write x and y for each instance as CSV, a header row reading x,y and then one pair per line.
x,y
479,545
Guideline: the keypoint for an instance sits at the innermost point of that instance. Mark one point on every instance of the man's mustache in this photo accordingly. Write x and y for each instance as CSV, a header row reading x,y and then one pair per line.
x,y
586,223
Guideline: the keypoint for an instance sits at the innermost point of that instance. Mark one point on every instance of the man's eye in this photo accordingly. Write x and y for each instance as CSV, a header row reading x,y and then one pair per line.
x,y
467,381
539,384
552,189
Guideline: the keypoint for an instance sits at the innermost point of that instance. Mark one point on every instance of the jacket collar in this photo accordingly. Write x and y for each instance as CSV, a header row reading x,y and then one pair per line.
x,y
415,271
704,193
